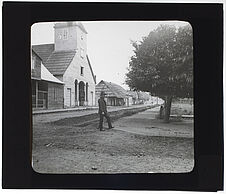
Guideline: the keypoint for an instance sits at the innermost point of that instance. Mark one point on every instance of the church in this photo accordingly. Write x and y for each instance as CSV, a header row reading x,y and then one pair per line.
x,y
67,60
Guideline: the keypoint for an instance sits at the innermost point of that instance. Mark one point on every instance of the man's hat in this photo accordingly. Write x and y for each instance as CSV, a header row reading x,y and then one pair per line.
x,y
102,93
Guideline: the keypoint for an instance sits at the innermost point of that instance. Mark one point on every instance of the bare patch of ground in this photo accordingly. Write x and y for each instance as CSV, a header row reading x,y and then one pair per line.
x,y
64,148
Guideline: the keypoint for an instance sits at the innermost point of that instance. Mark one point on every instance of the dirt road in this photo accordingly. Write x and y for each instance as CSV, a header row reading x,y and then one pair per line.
x,y
145,123
64,148
44,116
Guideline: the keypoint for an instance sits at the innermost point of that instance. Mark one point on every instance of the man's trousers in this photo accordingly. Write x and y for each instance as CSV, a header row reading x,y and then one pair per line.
x,y
102,115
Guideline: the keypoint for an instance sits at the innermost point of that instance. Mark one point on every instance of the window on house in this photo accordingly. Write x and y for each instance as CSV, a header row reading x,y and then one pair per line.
x,y
82,70
65,34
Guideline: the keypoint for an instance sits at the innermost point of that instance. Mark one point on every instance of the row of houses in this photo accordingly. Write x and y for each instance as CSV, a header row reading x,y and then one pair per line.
x,y
62,74
116,95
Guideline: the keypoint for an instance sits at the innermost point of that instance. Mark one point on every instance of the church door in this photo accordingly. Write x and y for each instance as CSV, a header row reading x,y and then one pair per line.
x,y
81,93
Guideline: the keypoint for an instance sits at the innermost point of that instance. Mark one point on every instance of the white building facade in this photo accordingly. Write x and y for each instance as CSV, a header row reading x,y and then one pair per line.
x,y
68,61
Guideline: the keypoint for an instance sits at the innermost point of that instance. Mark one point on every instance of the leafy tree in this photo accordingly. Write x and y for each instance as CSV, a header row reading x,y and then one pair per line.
x,y
163,64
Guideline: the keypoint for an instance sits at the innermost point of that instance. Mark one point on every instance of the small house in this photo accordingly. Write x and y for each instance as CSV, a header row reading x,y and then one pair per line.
x,y
47,90
115,95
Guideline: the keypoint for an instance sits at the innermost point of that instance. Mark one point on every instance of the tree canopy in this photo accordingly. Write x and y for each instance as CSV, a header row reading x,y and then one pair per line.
x,y
163,62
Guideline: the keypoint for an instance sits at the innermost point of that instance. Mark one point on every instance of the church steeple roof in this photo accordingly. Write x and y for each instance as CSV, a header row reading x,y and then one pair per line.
x,y
67,24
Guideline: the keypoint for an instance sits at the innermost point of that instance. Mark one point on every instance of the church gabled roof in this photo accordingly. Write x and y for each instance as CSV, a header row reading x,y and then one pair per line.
x,y
43,51
55,61
59,61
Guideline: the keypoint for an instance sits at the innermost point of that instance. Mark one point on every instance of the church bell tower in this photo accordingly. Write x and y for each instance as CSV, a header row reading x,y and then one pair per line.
x,y
70,36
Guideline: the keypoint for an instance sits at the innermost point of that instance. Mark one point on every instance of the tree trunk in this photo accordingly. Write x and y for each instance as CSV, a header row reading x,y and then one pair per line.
x,y
168,101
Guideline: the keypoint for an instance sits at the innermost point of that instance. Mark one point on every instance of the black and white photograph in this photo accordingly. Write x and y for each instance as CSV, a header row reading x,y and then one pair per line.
x,y
112,97
121,96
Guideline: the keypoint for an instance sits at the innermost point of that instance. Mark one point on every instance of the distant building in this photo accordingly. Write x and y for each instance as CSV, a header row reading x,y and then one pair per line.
x,y
67,60
115,94
134,96
143,97
47,90
138,97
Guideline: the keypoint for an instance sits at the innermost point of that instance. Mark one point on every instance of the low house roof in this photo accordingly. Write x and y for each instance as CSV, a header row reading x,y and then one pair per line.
x,y
115,90
47,76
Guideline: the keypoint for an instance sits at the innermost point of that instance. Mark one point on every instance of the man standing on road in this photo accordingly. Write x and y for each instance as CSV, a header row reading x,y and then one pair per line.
x,y
103,112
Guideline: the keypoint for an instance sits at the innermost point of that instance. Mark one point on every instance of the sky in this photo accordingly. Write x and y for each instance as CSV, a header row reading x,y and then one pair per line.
x,y
108,43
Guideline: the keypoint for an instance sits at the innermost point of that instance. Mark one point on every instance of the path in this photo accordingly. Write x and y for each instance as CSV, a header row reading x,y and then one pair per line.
x,y
54,115
144,123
